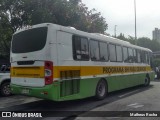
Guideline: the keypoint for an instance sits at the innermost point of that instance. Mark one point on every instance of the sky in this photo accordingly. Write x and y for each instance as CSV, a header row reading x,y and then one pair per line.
x,y
121,13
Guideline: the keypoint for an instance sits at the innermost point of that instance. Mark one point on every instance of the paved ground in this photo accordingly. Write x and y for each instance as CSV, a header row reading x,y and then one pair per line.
x,y
14,100
133,99
147,100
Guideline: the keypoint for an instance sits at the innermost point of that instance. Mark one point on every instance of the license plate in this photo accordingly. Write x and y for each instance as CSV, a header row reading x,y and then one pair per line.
x,y
25,91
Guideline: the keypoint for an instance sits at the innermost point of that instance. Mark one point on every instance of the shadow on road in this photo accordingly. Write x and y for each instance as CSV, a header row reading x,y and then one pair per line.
x,y
76,107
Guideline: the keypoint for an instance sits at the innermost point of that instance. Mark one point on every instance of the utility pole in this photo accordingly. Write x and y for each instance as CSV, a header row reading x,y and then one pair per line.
x,y
135,22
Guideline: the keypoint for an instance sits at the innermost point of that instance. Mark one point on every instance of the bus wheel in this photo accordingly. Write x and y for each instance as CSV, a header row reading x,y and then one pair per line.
x,y
5,89
101,90
147,81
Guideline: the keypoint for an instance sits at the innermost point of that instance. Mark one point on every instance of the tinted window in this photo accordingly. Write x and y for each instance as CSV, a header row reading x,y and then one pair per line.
x,y
148,59
80,48
125,54
84,49
94,49
130,55
76,47
112,52
29,40
145,57
142,54
119,53
103,51
139,56
134,56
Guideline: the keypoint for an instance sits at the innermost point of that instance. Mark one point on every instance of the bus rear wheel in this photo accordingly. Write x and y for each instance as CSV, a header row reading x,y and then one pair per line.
x,y
147,81
101,90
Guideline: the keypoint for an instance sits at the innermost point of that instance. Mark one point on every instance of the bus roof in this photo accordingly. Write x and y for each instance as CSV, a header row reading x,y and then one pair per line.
x,y
97,36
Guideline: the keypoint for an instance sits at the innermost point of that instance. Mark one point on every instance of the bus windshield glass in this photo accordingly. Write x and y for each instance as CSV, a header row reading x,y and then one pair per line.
x,y
29,40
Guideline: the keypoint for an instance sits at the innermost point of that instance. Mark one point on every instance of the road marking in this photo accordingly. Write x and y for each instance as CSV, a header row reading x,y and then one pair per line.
x,y
132,104
113,118
135,105
128,93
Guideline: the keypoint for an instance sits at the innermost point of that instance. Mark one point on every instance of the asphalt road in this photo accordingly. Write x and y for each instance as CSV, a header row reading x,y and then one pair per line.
x,y
133,99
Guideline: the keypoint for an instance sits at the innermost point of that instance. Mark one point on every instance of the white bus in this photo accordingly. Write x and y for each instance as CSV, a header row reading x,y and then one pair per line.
x,y
61,63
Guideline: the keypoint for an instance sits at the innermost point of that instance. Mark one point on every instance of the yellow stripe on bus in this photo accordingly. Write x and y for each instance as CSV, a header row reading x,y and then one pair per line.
x,y
28,72
101,70
38,72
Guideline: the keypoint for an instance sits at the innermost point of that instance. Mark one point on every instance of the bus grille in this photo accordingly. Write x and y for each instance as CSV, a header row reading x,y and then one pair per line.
x,y
71,82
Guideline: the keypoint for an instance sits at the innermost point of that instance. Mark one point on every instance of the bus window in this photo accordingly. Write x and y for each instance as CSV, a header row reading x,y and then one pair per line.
x,y
119,53
125,54
84,49
80,48
29,40
148,58
143,57
130,55
134,56
103,51
94,49
151,60
146,61
139,56
112,52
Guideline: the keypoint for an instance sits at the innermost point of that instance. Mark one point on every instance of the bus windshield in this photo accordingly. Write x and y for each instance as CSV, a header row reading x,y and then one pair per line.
x,y
29,40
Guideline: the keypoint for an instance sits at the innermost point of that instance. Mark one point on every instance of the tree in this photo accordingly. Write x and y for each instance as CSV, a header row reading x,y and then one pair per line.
x,y
129,39
68,13
148,43
5,36
132,40
16,14
143,42
122,37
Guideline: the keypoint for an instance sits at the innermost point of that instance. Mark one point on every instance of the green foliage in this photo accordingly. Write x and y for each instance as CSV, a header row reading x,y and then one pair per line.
x,y
5,36
122,37
148,43
156,62
16,14
67,13
143,42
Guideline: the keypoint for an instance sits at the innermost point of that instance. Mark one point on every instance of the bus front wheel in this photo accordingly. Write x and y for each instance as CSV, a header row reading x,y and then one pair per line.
x,y
101,90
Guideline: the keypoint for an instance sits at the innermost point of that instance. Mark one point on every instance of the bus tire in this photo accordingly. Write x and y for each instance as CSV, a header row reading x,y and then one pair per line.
x,y
5,89
101,90
147,81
